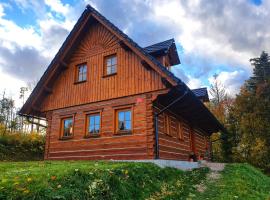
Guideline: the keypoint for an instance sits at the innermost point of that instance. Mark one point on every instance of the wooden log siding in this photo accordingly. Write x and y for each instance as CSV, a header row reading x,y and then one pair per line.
x,y
131,78
201,142
170,145
108,145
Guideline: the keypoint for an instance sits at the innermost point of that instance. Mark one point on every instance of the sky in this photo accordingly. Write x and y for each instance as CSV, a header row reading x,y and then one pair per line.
x,y
212,37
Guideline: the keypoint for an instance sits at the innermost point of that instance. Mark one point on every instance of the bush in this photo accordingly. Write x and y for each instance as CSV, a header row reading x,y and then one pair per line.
x,y
21,146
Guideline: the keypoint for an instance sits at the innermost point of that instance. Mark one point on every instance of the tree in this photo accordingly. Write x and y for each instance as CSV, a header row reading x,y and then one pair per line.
x,y
7,112
23,90
217,90
250,116
261,72
220,104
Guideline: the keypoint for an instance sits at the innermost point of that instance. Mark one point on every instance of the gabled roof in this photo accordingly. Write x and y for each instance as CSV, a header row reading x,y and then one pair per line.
x,y
201,93
163,48
70,41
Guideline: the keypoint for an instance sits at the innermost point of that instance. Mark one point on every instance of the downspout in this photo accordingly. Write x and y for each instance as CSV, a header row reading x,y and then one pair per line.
x,y
156,122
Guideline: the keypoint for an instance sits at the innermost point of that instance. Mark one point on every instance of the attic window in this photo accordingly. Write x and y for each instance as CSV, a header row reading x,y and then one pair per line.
x,y
110,64
81,73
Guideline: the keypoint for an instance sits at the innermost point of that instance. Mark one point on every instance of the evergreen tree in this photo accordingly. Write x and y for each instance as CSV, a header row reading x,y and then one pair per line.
x,y
250,116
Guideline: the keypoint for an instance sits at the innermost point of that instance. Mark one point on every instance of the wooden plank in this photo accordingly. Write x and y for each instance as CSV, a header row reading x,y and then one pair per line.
x,y
97,43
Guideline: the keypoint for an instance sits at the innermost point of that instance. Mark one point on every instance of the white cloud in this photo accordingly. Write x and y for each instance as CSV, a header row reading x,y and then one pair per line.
x,y
1,10
194,83
231,81
9,33
58,7
11,86
26,51
203,33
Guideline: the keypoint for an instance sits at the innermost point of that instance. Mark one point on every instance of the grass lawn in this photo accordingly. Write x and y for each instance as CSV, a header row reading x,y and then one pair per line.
x,y
238,181
111,180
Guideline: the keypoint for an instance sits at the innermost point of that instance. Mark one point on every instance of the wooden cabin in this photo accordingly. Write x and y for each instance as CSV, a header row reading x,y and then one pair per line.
x,y
105,97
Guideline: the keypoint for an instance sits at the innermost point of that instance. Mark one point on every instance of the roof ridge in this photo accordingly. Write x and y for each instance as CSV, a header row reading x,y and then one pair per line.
x,y
199,88
172,39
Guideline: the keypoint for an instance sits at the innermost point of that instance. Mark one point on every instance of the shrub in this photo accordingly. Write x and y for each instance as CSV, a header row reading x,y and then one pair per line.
x,y
21,146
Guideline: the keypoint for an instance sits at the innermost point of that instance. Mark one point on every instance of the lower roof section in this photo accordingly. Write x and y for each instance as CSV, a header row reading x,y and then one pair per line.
x,y
191,109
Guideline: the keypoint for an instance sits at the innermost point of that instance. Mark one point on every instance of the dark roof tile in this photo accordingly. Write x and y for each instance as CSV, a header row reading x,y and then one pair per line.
x,y
201,93
161,46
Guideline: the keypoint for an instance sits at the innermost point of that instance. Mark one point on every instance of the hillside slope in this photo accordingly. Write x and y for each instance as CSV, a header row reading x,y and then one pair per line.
x,y
238,181
110,180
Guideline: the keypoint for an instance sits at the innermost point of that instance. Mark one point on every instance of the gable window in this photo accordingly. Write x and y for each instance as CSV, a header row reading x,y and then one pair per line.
x,y
110,64
123,120
81,73
67,127
93,124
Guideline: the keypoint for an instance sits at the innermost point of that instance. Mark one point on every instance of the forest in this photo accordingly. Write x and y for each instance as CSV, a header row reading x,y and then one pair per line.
x,y
246,118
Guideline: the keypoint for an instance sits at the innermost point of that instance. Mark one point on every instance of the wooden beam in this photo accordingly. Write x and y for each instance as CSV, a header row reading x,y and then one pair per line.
x,y
63,65
146,65
35,108
124,46
166,82
47,89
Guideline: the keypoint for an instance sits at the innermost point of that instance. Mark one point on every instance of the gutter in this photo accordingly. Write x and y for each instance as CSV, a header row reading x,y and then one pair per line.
x,y
156,121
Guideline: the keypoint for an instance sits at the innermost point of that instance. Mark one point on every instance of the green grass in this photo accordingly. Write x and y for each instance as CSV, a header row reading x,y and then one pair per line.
x,y
115,180
238,181
94,180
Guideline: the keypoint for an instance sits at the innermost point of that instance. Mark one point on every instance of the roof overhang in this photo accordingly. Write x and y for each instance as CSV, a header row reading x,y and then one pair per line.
x,y
191,109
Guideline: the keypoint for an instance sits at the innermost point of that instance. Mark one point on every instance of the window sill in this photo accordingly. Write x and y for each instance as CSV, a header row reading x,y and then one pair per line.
x,y
92,136
108,75
123,133
79,82
66,138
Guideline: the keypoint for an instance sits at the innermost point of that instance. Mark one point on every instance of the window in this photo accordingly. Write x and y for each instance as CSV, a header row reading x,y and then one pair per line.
x,y
123,120
180,131
81,73
67,127
93,124
110,64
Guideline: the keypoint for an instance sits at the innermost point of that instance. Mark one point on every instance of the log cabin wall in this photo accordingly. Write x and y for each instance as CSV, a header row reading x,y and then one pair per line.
x,y
109,145
175,137
172,145
131,78
202,143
